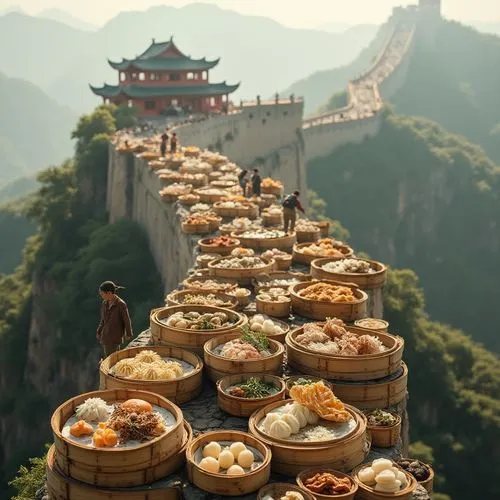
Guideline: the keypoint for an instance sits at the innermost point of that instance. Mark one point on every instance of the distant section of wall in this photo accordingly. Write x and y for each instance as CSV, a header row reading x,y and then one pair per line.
x,y
263,136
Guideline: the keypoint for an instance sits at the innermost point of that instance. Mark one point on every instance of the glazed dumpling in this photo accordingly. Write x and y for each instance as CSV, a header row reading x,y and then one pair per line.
x,y
280,429
235,470
292,421
147,356
226,459
246,459
212,449
269,420
236,448
210,464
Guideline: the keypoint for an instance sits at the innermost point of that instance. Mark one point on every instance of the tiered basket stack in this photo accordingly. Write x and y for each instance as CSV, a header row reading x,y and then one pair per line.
x,y
361,382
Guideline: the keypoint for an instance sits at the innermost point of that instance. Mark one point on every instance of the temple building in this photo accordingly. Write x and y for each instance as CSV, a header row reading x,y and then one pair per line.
x,y
163,79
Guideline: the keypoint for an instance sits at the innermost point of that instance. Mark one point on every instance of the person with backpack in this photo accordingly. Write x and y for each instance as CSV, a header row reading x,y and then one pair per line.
x,y
290,205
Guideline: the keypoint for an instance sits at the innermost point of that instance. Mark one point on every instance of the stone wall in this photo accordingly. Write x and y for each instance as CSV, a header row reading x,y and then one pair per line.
x,y
267,136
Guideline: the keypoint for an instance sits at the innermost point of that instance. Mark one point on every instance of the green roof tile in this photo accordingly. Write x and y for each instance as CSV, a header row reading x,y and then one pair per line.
x,y
165,64
147,91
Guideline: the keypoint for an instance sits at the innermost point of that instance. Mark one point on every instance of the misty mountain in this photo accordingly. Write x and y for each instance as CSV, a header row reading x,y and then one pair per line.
x,y
34,129
264,55
66,18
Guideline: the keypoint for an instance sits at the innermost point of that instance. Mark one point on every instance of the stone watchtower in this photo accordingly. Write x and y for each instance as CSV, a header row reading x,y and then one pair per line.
x,y
429,15
430,7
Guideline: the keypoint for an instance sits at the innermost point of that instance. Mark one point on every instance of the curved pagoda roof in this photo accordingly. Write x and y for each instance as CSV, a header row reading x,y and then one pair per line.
x,y
136,91
164,56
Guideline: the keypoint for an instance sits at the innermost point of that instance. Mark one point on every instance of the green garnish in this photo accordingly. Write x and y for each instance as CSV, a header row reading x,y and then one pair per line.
x,y
257,388
257,339
303,381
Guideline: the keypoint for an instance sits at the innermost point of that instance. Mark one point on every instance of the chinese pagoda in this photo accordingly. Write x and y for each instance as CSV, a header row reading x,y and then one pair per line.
x,y
163,78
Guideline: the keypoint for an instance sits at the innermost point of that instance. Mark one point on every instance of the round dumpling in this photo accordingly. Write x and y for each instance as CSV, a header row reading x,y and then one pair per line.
x,y
209,464
235,470
386,477
280,429
147,356
124,368
367,476
226,459
297,410
269,420
380,464
212,449
236,448
311,417
246,459
292,421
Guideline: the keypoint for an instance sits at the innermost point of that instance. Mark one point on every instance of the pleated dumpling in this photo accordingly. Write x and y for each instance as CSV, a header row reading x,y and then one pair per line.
x,y
149,372
176,367
147,356
167,374
280,429
298,411
124,368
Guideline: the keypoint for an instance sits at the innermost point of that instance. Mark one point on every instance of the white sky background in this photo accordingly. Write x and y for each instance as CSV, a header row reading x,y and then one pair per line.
x,y
294,13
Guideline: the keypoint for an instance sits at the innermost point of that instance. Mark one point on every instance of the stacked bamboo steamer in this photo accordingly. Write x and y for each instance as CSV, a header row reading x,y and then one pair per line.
x,y
77,472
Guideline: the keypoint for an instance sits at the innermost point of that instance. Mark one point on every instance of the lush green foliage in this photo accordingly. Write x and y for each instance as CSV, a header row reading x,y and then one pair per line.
x,y
416,196
74,250
29,480
454,387
15,229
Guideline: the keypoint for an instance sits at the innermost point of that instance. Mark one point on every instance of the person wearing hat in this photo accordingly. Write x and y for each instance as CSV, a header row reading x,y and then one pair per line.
x,y
115,326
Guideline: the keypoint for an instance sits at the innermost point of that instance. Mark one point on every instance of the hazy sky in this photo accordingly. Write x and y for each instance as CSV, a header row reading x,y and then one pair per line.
x,y
296,13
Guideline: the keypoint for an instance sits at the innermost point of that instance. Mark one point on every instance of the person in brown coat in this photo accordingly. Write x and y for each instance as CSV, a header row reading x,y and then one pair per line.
x,y
115,326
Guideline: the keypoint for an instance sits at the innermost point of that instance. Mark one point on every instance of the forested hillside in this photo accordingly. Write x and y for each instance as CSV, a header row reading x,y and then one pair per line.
x,y
417,196
456,84
34,129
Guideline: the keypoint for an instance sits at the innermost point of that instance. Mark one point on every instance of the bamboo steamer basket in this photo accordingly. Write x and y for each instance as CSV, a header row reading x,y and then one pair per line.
x,y
368,493
223,184
272,220
191,152
192,340
307,474
385,436
203,263
183,200
314,309
363,280
176,298
428,483
277,490
83,463
355,368
289,383
214,223
175,162
283,263
179,391
224,211
221,484
384,325
279,337
301,258
371,394
250,211
243,276
169,198
292,458
281,243
190,284
274,309
308,236
205,247
218,366
324,228
243,300
244,407
276,190
195,228
262,280
62,487
206,197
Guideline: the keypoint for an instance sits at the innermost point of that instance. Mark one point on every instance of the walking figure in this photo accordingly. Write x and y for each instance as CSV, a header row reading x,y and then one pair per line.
x,y
290,205
173,143
163,146
242,180
115,327
255,179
